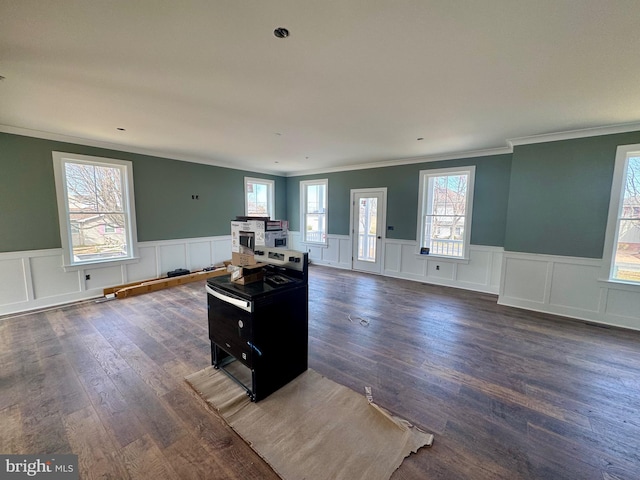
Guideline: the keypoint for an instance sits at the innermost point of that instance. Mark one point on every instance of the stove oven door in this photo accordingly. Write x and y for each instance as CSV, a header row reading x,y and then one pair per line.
x,y
230,327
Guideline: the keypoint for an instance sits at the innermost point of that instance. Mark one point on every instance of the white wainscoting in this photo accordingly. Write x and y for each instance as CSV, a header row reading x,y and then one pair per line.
x,y
481,273
567,286
337,253
564,286
35,279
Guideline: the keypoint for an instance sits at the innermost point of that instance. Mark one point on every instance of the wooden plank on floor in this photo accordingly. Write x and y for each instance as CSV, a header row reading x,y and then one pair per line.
x,y
11,438
93,445
161,283
145,461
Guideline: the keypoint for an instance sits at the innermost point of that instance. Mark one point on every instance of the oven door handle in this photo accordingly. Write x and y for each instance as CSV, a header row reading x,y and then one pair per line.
x,y
243,304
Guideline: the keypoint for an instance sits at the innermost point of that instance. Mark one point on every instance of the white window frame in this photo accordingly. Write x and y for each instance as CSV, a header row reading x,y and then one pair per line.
x,y
623,152
271,189
59,160
423,202
303,210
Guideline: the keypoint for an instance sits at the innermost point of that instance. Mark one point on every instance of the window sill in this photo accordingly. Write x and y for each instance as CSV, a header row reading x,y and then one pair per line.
x,y
98,264
620,285
313,244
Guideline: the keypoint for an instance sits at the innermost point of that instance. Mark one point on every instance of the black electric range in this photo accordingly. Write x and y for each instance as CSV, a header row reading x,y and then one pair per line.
x,y
263,325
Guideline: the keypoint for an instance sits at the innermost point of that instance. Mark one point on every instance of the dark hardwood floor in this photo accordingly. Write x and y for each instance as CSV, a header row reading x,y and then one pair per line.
x,y
509,394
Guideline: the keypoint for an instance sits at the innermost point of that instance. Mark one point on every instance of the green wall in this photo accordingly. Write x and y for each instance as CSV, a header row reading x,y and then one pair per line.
x,y
559,195
548,198
28,211
163,190
402,182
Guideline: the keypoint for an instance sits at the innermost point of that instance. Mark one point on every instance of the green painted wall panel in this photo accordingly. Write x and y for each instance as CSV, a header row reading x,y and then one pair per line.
x,y
163,189
403,182
549,198
28,210
559,195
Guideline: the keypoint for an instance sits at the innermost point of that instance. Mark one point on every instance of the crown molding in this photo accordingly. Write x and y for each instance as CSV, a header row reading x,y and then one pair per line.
x,y
573,134
511,143
406,161
56,137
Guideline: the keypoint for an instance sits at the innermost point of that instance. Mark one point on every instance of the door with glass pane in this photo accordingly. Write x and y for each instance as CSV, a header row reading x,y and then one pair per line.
x,y
368,208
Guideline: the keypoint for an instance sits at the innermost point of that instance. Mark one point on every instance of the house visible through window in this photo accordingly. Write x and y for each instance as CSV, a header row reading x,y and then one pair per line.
x,y
313,208
622,248
444,221
95,206
259,197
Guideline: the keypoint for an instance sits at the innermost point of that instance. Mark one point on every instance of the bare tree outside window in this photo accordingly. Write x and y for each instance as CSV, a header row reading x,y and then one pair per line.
x,y
446,212
96,210
627,255
367,229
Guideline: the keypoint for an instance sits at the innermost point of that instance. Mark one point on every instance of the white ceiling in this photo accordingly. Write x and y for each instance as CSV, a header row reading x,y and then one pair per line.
x,y
357,81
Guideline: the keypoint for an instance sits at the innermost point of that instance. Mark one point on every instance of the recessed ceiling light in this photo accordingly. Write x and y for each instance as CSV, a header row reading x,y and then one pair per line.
x,y
281,32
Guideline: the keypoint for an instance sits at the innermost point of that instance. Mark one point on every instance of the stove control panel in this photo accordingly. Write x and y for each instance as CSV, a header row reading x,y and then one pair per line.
x,y
279,257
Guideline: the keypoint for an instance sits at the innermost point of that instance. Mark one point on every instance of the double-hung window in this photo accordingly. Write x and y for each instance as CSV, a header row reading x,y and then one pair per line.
x,y
313,208
95,209
444,211
259,197
622,244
